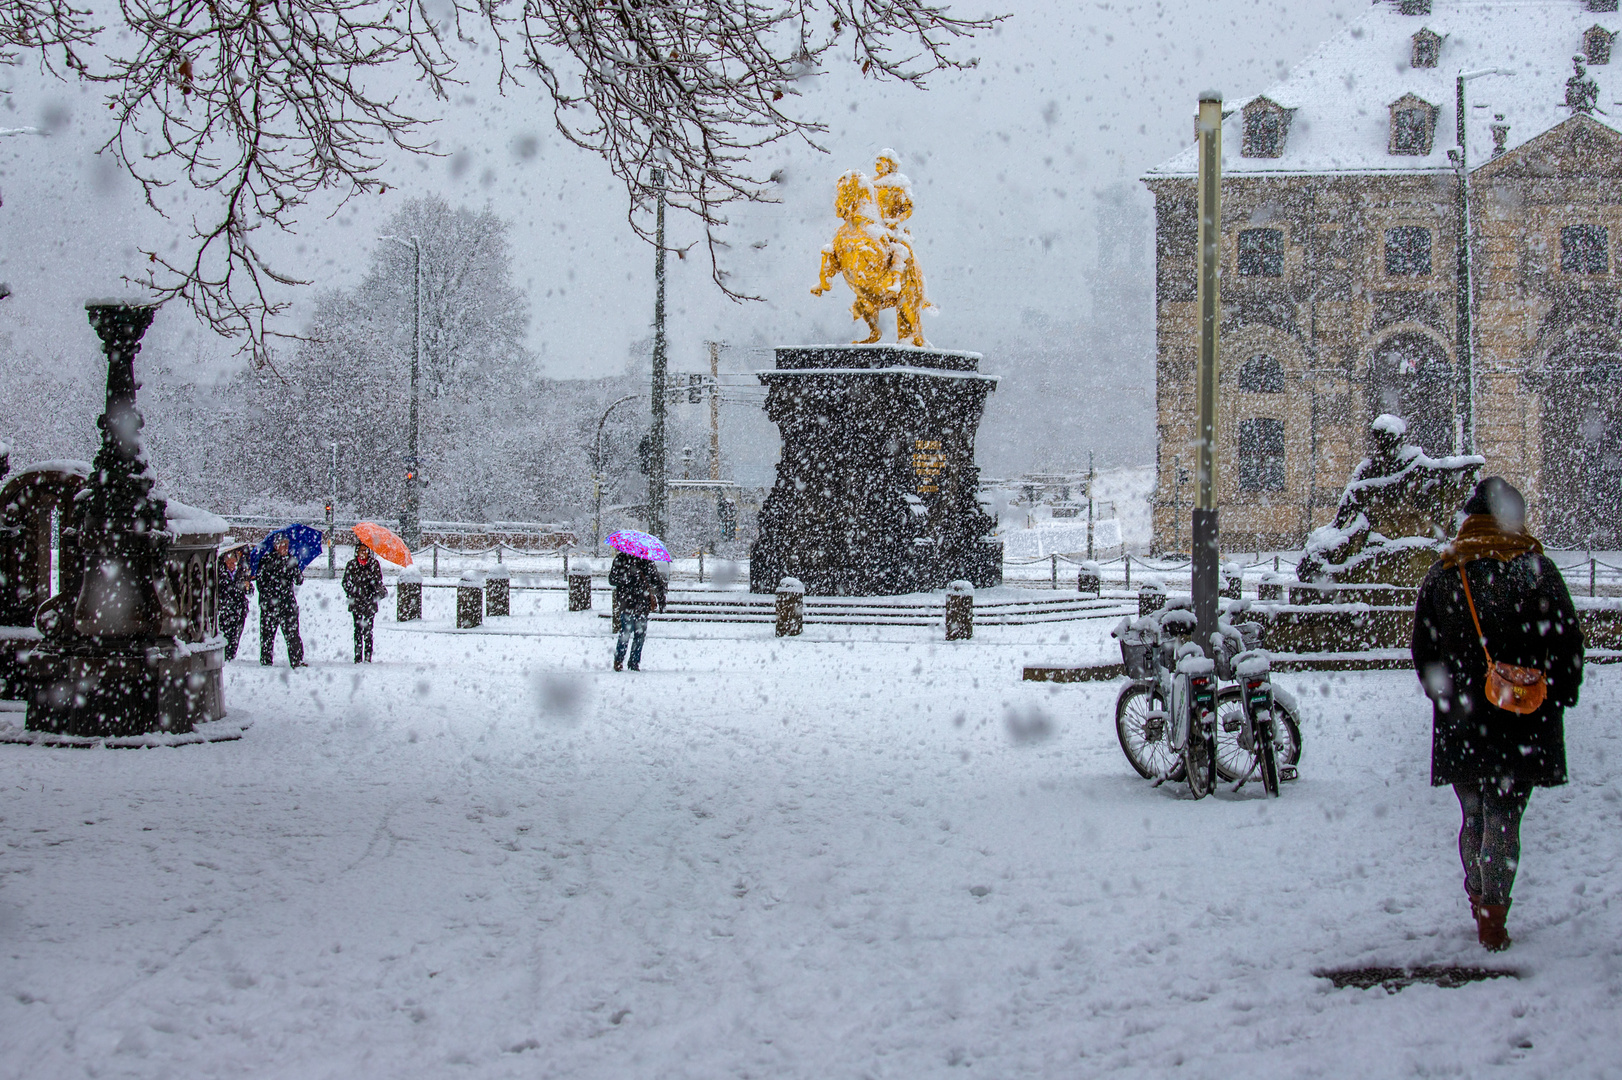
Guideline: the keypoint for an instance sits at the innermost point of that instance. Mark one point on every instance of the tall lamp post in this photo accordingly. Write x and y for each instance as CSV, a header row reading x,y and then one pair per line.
x,y
1463,285
658,488
411,513
1209,295
597,473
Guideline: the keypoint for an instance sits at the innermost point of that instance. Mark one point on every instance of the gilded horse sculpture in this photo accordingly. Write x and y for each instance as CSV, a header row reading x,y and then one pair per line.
x,y
873,251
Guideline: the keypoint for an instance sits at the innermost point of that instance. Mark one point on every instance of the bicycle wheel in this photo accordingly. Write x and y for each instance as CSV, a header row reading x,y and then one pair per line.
x,y
1199,765
1141,727
1234,758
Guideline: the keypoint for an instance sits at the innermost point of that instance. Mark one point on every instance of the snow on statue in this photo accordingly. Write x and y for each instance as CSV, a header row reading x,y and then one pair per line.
x,y
873,250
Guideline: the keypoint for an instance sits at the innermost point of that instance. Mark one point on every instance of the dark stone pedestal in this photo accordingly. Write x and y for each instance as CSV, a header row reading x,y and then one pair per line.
x,y
165,688
131,644
877,490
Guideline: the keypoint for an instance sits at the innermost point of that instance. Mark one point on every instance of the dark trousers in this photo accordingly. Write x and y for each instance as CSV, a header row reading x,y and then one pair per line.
x,y
232,622
1490,837
363,634
284,617
633,630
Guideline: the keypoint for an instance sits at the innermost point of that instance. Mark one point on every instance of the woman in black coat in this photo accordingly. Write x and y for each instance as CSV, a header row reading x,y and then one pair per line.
x,y
1492,757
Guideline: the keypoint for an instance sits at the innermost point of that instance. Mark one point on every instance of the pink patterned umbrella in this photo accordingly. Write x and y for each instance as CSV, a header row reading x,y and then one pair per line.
x,y
640,544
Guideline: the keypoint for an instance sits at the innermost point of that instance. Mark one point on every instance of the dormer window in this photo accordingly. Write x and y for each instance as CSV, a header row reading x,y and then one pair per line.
x,y
1597,45
1266,123
1413,126
1427,49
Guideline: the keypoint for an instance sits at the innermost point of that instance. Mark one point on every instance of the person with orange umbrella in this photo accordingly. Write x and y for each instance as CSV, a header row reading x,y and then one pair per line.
x,y
363,584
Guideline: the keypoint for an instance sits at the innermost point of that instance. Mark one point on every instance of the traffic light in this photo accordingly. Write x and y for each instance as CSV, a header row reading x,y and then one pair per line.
x,y
727,511
695,388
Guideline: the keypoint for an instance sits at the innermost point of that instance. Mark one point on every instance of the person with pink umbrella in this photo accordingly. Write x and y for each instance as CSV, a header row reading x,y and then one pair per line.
x,y
639,590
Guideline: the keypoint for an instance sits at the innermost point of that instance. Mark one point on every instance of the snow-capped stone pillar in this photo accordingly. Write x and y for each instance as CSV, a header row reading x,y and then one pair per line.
x,y
498,591
790,607
408,595
470,600
959,611
1090,579
579,587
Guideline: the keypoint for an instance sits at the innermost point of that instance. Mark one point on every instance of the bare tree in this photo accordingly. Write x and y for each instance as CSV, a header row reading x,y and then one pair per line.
x,y
472,314
261,104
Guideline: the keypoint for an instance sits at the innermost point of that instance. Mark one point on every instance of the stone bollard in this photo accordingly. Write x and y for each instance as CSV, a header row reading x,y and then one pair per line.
x,y
408,595
498,591
1233,582
1270,589
790,607
1090,579
470,600
579,588
1151,598
959,611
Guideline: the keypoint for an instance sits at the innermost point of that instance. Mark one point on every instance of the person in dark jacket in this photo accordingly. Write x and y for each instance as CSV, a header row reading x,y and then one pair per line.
x,y
363,585
279,577
1493,757
236,585
639,589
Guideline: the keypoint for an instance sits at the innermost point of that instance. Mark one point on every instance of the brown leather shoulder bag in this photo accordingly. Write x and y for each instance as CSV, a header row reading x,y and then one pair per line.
x,y
1519,690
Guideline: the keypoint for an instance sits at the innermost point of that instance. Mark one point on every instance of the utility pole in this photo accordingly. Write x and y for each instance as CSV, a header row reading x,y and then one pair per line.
x,y
1089,504
411,513
332,506
715,411
658,486
1204,569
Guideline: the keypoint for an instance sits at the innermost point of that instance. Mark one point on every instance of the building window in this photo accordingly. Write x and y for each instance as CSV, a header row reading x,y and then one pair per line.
x,y
1261,455
1427,48
1413,125
1261,253
1266,124
1585,249
1408,251
1261,374
1597,45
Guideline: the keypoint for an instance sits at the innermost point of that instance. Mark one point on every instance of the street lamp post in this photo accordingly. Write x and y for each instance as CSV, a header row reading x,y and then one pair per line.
x,y
658,489
411,513
597,473
1463,285
1209,295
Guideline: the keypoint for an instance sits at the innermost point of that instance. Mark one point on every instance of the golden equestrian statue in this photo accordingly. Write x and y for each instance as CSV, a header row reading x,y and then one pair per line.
x,y
873,250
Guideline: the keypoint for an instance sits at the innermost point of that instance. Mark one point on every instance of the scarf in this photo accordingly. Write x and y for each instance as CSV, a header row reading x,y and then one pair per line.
x,y
1481,537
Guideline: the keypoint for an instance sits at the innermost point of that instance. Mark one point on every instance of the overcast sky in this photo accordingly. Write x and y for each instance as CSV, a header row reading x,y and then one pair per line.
x,y
1008,162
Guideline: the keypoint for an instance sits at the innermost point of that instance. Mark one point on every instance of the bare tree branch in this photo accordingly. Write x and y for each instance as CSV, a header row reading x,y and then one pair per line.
x,y
261,104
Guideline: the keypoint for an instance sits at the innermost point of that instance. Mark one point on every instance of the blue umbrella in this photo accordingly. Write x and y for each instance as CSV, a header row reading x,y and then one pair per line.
x,y
303,543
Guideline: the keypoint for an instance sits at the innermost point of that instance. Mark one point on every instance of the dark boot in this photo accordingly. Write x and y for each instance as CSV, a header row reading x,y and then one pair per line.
x,y
619,665
1490,929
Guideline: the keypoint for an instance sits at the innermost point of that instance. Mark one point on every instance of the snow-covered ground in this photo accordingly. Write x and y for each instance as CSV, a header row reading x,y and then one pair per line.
x,y
860,853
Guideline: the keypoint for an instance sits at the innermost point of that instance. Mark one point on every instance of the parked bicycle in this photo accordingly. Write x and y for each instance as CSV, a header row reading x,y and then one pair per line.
x,y
1176,722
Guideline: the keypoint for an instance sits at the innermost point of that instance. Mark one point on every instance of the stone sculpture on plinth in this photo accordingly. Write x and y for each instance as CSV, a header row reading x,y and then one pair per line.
x,y
1394,516
130,644
877,491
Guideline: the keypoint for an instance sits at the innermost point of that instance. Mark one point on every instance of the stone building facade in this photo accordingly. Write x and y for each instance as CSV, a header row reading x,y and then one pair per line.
x,y
1340,274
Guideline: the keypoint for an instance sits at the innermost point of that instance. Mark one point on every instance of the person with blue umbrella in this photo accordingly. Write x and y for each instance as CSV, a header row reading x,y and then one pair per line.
x,y
279,575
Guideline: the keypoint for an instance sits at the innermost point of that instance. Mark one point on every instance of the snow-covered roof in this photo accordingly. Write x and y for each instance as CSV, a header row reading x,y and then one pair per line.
x,y
1341,94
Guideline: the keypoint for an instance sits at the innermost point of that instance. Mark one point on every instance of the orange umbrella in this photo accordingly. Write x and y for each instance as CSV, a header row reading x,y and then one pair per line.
x,y
384,544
